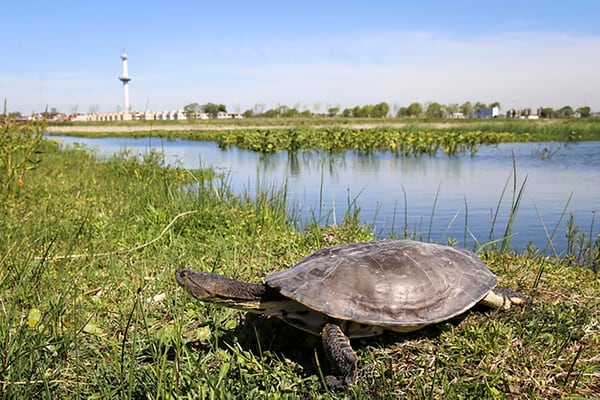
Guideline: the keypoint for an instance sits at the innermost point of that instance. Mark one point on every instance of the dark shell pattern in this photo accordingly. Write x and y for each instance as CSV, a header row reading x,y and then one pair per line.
x,y
389,283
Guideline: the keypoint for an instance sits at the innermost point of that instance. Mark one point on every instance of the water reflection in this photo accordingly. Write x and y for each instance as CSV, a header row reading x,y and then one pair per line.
x,y
462,193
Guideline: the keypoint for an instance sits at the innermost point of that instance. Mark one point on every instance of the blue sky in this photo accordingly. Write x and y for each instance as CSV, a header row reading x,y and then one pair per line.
x,y
309,54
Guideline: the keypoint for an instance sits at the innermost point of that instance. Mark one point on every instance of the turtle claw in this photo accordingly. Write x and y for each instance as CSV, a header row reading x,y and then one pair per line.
x,y
341,355
335,382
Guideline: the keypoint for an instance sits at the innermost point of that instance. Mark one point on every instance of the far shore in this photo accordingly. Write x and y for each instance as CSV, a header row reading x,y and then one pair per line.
x,y
206,127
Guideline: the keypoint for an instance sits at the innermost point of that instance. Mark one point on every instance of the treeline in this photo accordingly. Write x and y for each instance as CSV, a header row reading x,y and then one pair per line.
x,y
379,110
192,109
384,110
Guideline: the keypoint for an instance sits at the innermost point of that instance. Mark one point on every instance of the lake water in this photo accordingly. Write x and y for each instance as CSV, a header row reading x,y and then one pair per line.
x,y
462,192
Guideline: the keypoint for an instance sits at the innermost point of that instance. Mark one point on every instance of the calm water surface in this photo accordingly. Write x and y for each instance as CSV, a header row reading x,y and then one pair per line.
x,y
461,192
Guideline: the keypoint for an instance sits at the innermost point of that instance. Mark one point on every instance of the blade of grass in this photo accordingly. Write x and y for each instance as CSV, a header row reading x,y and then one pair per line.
x,y
433,208
517,196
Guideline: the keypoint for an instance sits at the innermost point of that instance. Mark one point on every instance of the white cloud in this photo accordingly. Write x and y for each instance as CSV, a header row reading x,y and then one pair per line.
x,y
518,69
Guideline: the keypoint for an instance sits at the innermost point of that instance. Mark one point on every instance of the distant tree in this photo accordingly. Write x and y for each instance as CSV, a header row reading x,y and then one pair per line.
x,y
546,112
214,109
466,108
347,112
271,113
565,112
358,112
288,112
367,110
479,105
191,109
402,112
434,110
380,110
317,107
494,104
333,111
415,110
283,111
584,112
258,109
452,108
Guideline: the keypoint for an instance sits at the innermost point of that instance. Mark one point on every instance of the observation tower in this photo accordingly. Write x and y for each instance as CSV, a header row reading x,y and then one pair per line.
x,y
125,79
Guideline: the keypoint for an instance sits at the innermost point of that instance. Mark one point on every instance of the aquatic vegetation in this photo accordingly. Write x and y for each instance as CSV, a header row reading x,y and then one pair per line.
x,y
363,141
337,135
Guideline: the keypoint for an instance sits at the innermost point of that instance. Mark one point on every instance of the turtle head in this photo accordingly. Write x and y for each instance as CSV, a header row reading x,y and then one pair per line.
x,y
206,286
202,285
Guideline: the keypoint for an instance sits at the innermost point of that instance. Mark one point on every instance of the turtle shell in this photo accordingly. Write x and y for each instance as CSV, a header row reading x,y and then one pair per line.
x,y
390,283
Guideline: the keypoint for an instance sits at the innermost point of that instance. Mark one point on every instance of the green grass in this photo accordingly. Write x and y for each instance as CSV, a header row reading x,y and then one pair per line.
x,y
89,307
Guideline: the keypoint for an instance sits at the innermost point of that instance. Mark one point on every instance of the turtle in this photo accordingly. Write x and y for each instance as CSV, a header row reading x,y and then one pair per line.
x,y
360,290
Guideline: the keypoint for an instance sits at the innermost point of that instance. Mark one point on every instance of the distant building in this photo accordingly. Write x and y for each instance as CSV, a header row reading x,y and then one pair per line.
x,y
165,115
79,118
486,112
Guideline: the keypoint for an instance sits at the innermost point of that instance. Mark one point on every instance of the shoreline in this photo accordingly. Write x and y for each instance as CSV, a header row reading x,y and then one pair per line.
x,y
185,128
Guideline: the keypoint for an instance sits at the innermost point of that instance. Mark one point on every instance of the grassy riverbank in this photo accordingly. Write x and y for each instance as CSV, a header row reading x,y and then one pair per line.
x,y
89,307
338,134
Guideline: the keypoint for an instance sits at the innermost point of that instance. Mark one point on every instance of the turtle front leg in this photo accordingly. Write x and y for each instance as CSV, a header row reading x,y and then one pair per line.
x,y
341,355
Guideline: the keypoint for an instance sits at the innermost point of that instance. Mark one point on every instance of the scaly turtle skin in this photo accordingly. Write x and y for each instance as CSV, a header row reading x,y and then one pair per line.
x,y
362,289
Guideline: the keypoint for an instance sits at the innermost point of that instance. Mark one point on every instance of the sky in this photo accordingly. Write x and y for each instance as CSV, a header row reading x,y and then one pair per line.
x,y
304,54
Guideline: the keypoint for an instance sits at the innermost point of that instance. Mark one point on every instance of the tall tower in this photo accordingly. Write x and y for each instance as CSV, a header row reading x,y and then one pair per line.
x,y
125,79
